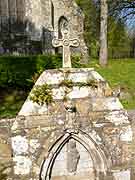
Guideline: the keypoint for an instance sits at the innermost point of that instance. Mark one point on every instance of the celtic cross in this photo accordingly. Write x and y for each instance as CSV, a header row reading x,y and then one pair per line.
x,y
66,43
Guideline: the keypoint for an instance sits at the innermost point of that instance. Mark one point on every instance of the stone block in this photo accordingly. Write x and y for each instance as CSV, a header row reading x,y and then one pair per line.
x,y
22,166
106,104
122,175
20,145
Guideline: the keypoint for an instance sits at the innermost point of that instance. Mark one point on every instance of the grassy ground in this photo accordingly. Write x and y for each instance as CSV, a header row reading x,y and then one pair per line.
x,y
121,75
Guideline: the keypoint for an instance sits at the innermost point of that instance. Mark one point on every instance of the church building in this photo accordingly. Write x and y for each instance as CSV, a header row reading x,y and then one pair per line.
x,y
28,26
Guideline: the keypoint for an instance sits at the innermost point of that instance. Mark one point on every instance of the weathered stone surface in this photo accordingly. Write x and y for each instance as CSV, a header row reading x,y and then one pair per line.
x,y
5,151
66,43
105,104
23,165
56,77
73,157
95,121
122,175
117,117
19,145
126,134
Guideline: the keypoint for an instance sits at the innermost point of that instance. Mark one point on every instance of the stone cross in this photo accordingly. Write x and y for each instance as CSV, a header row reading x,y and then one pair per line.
x,y
66,43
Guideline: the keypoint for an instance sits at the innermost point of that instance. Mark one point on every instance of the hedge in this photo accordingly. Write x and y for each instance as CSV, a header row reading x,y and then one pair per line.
x,y
17,71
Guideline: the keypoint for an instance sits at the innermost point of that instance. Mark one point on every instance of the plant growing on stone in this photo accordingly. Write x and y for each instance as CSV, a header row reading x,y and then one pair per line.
x,y
89,83
42,94
92,83
68,83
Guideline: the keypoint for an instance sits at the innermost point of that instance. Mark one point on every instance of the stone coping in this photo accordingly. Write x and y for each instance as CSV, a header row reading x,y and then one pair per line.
x,y
70,70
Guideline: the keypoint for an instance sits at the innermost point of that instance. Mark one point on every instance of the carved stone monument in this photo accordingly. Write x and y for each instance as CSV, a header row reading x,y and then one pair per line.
x,y
73,140
73,156
88,137
66,43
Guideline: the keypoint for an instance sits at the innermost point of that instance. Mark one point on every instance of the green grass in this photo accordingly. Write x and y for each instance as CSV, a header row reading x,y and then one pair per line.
x,y
120,73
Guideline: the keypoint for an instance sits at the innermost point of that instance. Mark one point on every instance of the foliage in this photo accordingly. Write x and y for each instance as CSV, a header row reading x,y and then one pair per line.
x,y
14,71
118,34
11,100
123,9
132,42
76,62
68,83
18,75
123,13
91,34
20,71
118,40
42,94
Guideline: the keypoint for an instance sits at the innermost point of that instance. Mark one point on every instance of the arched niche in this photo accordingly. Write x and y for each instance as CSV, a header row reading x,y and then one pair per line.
x,y
52,14
97,163
62,24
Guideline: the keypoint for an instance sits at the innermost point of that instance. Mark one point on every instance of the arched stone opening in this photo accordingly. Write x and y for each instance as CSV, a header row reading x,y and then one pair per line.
x,y
52,14
62,25
86,160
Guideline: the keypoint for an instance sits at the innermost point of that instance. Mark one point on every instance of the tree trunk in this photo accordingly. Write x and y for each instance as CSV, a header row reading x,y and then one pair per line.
x,y
133,47
103,56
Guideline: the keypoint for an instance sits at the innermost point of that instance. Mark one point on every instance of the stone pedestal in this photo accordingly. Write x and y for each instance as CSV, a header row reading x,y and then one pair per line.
x,y
83,111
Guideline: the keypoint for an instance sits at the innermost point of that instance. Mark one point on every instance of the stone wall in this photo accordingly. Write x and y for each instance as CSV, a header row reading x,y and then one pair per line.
x,y
90,128
37,23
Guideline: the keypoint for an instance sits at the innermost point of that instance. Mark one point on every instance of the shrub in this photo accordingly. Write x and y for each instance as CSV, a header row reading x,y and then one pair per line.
x,y
23,71
18,71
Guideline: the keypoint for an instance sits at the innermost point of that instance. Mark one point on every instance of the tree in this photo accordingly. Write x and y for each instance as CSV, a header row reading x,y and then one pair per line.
x,y
132,38
124,9
91,25
103,56
118,39
120,44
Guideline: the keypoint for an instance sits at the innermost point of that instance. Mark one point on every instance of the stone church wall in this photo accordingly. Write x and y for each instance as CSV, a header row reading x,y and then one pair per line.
x,y
26,23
